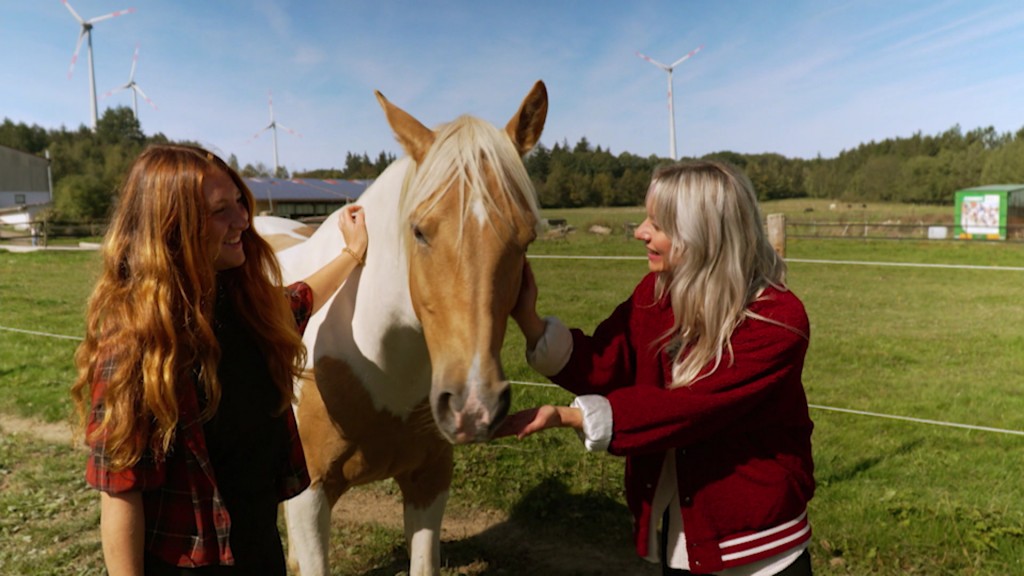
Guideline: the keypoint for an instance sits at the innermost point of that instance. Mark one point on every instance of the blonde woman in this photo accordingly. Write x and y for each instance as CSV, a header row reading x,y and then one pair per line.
x,y
696,380
185,374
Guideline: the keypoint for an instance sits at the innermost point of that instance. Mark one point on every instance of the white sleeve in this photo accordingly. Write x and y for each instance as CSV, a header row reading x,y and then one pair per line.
x,y
597,421
553,349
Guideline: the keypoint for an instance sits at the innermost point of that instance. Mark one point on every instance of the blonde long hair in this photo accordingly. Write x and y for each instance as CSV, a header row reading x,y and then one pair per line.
x,y
150,317
721,260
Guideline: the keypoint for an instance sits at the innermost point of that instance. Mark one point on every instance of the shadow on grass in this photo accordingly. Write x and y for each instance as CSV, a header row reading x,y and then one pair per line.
x,y
864,464
549,531
14,369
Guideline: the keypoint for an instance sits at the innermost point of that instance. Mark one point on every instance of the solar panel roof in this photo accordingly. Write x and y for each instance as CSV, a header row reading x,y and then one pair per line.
x,y
305,189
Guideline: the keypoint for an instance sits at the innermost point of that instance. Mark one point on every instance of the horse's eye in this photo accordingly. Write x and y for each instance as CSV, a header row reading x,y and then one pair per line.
x,y
421,239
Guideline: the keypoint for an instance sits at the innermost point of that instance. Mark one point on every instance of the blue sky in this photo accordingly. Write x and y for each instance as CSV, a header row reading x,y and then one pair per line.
x,y
795,77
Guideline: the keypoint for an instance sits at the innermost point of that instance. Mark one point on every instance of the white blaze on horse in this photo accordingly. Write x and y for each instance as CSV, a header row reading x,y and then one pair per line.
x,y
406,359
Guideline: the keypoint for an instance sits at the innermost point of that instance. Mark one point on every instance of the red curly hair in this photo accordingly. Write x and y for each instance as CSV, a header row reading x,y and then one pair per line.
x,y
150,315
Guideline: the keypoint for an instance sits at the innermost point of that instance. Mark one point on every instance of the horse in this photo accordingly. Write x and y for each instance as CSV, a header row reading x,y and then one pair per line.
x,y
405,359
283,233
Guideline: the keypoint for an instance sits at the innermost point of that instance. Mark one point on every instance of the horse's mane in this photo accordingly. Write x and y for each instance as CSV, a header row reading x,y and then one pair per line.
x,y
462,149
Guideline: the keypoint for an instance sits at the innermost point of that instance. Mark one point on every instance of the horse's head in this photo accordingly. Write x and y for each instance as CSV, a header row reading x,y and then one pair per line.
x,y
469,212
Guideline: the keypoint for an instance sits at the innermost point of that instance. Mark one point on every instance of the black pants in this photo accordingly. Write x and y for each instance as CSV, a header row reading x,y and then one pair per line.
x,y
800,567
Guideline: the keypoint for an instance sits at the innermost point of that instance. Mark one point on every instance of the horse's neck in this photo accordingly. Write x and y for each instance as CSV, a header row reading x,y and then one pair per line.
x,y
371,324
384,278
384,281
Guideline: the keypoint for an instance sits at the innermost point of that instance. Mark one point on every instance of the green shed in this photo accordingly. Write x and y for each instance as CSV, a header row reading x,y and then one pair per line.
x,y
993,212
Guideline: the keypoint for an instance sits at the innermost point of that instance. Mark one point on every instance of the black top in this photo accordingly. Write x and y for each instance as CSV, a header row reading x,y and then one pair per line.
x,y
247,443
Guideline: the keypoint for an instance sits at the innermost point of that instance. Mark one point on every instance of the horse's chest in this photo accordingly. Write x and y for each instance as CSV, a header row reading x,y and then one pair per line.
x,y
343,430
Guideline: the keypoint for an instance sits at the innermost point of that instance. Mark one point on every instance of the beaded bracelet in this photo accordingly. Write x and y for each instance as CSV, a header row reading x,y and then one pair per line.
x,y
354,255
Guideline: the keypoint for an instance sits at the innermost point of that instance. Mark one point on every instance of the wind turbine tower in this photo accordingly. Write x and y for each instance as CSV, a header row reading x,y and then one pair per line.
x,y
86,33
273,126
134,87
671,110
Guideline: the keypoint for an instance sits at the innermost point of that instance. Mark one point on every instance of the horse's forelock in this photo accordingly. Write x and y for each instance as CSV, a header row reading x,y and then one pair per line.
x,y
461,151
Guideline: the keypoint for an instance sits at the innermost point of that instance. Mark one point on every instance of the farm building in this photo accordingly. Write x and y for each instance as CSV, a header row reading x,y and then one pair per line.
x,y
993,212
24,186
298,198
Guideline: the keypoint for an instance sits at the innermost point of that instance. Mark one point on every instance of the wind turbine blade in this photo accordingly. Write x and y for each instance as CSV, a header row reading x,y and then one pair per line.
x,y
257,135
144,97
289,130
111,15
74,56
116,90
135,60
73,13
653,61
687,57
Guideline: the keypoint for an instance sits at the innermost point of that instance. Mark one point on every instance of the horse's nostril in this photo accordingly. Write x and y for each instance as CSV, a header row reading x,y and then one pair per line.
x,y
501,409
502,406
444,400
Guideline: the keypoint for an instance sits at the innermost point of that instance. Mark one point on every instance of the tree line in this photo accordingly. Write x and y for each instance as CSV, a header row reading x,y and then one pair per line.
x,y
88,166
921,169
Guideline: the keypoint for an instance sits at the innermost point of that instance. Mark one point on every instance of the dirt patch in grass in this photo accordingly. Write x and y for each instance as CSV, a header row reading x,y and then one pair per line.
x,y
51,432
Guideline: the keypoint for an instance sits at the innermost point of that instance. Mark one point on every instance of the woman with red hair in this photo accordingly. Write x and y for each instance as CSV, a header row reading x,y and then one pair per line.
x,y
185,374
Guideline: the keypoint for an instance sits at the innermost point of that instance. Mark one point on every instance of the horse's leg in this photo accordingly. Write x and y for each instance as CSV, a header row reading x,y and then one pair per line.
x,y
423,536
425,494
308,517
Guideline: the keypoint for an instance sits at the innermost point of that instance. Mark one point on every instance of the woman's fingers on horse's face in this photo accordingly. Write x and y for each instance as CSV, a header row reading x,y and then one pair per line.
x,y
528,278
527,284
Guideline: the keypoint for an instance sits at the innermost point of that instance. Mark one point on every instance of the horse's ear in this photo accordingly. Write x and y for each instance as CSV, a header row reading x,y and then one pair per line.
x,y
414,137
525,127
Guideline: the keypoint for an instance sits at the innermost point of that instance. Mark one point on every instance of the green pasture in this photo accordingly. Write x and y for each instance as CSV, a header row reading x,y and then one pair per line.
x,y
894,496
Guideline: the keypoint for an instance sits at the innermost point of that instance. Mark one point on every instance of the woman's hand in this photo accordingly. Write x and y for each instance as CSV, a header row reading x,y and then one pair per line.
x,y
522,424
524,311
326,281
352,223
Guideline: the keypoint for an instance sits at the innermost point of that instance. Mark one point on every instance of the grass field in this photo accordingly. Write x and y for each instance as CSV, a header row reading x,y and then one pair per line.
x,y
894,497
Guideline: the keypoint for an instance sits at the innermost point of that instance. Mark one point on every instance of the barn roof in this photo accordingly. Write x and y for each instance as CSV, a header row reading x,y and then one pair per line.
x,y
306,189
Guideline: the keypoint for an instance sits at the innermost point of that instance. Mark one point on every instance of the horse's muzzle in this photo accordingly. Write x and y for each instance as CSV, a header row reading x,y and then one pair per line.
x,y
472,415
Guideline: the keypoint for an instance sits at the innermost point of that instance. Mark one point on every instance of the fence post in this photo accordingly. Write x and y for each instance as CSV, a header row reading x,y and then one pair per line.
x,y
777,233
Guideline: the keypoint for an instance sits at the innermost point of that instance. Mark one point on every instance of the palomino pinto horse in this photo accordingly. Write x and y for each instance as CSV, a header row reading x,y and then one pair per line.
x,y
406,359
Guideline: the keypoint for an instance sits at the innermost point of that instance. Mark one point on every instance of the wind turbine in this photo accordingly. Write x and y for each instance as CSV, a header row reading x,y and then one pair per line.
x,y
671,111
134,87
274,125
86,33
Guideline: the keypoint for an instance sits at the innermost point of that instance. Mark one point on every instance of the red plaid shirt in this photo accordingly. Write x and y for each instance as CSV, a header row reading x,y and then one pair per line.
x,y
187,523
